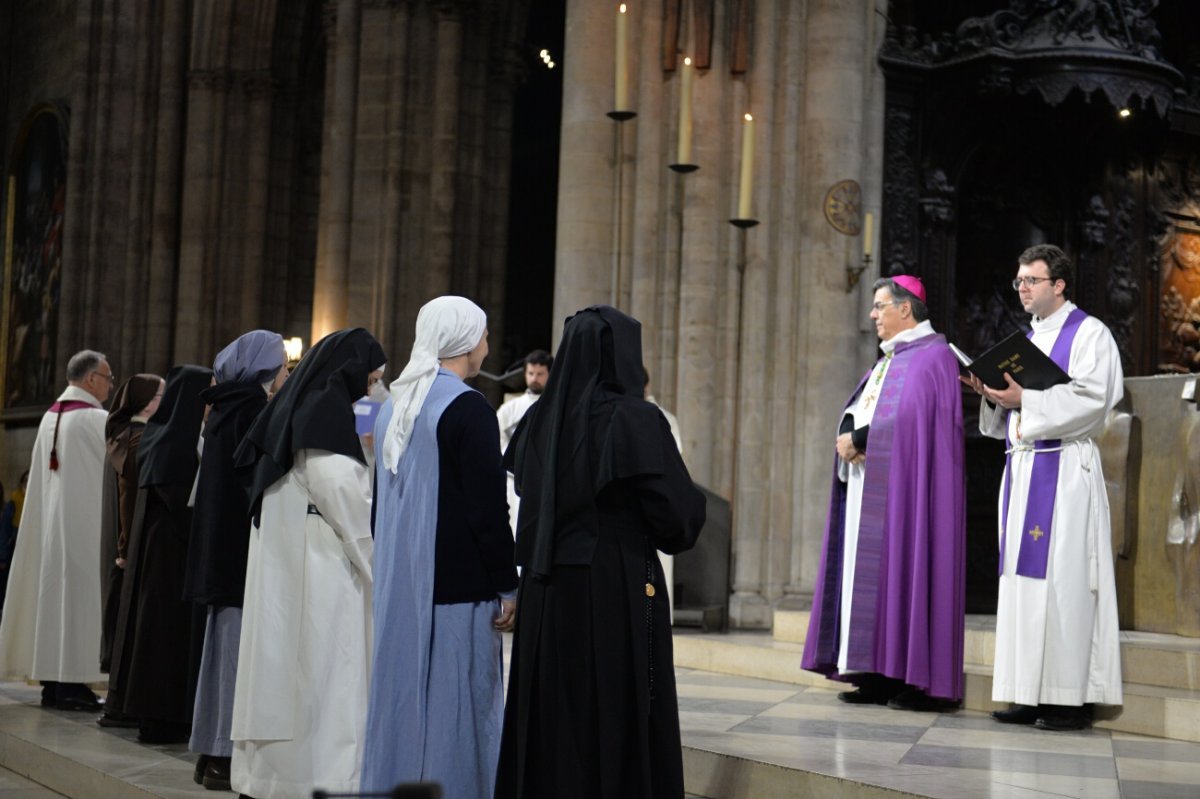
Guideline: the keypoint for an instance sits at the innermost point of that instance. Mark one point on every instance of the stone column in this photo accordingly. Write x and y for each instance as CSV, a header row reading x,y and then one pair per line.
x,y
583,249
259,90
330,284
833,150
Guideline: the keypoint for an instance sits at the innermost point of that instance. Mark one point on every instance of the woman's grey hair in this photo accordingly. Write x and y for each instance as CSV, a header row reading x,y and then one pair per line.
x,y
82,364
901,294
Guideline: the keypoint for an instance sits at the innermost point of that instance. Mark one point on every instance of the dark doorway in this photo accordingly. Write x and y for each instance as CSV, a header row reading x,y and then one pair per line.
x,y
533,199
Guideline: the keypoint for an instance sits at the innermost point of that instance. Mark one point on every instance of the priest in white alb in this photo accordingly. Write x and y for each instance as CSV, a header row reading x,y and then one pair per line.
x,y
1057,647
51,626
510,414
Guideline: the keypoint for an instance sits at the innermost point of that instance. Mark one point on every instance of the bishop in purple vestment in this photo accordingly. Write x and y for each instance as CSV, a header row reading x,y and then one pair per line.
x,y
888,609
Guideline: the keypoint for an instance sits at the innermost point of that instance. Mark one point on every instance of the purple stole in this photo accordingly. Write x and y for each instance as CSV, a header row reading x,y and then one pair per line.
x,y
1034,550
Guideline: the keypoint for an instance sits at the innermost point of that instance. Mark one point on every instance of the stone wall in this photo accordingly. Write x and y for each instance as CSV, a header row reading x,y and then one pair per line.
x,y
751,337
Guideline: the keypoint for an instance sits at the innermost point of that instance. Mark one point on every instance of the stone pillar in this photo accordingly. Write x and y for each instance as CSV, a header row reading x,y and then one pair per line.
x,y
330,286
583,249
833,145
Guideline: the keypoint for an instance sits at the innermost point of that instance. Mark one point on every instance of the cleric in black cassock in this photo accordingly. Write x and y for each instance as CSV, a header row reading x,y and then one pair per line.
x,y
591,708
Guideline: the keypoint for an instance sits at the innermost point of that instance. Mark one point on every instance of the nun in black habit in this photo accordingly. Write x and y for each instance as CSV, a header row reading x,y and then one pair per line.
x,y
135,401
157,628
591,708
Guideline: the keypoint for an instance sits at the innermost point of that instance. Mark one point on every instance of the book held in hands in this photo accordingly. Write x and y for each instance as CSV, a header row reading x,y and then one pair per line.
x,y
1030,367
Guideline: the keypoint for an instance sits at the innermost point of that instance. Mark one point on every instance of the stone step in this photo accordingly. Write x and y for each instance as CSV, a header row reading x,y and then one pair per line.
x,y
1164,712
1153,659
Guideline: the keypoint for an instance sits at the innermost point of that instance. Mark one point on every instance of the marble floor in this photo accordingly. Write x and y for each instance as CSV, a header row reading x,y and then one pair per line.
x,y
743,738
14,786
951,755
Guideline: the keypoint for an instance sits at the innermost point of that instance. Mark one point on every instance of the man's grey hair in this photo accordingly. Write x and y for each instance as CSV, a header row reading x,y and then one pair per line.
x,y
82,364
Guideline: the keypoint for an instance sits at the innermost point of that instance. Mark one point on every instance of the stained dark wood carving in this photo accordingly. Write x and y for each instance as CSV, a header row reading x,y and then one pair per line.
x,y
671,15
739,51
703,18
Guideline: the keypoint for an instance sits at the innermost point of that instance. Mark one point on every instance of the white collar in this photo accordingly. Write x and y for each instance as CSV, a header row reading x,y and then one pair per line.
x,y
77,394
904,336
1055,320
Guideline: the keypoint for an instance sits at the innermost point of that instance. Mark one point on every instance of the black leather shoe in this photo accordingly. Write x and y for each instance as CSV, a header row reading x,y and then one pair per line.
x,y
862,697
216,774
107,719
1018,714
1058,718
921,702
75,699
198,773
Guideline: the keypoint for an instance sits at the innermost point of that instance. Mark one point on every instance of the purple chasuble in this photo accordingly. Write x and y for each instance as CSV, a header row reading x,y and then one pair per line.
x,y
1043,481
909,578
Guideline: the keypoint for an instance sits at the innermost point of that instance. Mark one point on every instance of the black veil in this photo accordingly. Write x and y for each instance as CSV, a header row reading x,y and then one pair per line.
x,y
590,427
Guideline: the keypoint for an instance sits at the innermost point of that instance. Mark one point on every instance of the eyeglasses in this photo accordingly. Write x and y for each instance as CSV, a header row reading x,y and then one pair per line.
x,y
1029,282
110,377
879,306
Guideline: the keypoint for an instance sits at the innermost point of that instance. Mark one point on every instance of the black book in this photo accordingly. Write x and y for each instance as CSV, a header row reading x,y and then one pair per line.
x,y
1018,356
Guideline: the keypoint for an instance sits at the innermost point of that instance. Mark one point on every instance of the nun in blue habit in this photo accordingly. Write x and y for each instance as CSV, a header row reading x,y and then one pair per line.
x,y
444,576
248,371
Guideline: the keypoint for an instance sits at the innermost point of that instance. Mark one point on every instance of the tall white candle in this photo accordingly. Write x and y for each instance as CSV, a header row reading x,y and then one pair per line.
x,y
868,235
684,152
622,63
747,182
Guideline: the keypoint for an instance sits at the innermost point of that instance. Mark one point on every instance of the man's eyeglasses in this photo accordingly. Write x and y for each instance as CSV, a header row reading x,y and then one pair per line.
x,y
879,306
111,378
1029,282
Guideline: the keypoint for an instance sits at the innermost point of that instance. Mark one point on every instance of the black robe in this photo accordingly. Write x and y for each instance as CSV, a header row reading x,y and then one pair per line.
x,y
220,538
159,633
591,709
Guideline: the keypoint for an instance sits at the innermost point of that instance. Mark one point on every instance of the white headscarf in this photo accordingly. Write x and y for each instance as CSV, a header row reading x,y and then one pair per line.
x,y
446,328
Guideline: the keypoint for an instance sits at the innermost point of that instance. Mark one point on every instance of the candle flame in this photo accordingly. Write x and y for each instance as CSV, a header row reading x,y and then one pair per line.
x,y
687,62
622,9
749,118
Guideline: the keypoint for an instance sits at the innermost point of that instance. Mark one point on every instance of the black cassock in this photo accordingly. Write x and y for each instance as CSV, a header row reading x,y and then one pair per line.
x,y
591,708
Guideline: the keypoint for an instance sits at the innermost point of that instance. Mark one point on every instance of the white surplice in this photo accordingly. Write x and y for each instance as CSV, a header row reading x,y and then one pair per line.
x,y
1057,639
51,627
300,704
509,416
852,474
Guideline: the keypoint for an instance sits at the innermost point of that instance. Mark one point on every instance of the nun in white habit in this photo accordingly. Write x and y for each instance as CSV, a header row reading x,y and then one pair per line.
x,y
301,696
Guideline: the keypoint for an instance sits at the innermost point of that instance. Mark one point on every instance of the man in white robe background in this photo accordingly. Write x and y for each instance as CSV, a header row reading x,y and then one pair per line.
x,y
1057,637
51,625
537,371
667,561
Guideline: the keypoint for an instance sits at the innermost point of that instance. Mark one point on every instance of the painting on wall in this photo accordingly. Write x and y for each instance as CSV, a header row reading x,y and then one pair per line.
x,y
36,184
1180,344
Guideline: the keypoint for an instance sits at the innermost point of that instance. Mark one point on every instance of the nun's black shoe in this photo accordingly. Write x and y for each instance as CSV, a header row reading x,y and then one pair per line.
x,y
198,773
216,774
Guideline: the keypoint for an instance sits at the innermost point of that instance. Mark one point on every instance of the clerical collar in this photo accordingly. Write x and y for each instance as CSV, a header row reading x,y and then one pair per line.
x,y
141,419
77,394
1055,320
904,336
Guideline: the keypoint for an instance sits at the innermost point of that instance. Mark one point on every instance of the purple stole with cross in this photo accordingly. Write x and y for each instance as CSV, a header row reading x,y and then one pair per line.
x,y
1034,550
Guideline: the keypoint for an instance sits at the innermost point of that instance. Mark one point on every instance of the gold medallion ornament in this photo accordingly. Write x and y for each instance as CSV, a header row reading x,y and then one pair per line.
x,y
649,589
843,207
